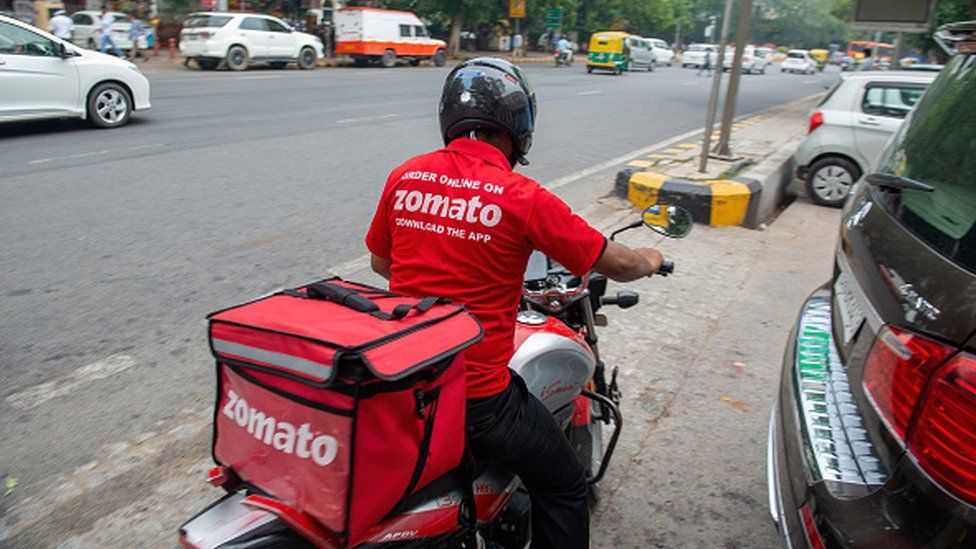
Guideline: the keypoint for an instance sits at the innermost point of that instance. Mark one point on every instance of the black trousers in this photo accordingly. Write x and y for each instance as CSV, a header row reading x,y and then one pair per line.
x,y
515,430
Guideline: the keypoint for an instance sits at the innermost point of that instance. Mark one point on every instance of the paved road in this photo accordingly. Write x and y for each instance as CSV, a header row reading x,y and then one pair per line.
x,y
117,243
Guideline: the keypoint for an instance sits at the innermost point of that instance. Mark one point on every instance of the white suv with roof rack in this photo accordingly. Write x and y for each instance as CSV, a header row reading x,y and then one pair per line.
x,y
240,38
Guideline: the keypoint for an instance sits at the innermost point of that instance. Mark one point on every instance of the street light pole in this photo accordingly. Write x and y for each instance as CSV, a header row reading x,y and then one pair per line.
x,y
716,84
735,73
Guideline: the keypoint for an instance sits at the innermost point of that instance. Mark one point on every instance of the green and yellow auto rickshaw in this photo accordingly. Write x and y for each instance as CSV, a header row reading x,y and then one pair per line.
x,y
608,51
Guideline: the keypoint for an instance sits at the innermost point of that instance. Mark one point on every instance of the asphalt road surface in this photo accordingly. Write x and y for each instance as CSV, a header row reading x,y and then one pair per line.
x,y
117,243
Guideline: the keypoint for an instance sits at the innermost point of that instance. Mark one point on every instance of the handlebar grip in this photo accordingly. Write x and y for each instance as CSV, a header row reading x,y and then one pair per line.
x,y
666,268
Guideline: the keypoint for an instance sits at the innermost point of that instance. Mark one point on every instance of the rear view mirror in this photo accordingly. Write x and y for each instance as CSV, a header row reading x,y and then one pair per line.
x,y
61,50
671,221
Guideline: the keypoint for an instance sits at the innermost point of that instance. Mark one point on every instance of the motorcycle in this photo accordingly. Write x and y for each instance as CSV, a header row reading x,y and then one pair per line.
x,y
563,59
557,354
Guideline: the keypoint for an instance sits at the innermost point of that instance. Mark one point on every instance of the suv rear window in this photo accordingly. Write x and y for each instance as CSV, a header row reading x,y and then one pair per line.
x,y
935,146
211,21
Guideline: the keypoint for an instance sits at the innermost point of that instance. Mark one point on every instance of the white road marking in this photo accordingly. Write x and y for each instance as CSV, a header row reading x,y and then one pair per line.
x,y
367,118
95,153
257,77
39,394
591,92
810,81
692,83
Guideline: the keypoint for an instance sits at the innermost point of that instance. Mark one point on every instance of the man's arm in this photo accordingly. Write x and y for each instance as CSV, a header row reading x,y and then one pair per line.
x,y
624,264
381,266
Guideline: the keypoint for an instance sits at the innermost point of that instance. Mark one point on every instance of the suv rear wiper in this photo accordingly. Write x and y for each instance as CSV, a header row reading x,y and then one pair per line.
x,y
893,181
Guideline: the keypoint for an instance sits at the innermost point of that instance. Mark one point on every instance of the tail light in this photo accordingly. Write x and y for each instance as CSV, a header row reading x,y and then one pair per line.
x,y
816,119
205,34
929,407
943,436
814,539
897,369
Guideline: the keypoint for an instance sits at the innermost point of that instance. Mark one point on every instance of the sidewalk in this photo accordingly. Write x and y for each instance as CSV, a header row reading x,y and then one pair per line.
x,y
744,190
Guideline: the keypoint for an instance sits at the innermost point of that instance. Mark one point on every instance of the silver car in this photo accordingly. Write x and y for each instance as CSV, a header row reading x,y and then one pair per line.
x,y
850,126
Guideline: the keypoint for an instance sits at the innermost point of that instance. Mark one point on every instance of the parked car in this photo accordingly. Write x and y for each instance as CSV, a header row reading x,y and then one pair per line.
x,y
641,53
765,53
371,34
42,76
663,54
752,62
850,126
694,56
872,441
798,61
240,38
88,35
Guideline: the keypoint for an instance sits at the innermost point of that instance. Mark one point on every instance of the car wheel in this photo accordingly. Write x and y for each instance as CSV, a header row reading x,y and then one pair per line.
x,y
278,65
237,58
207,64
389,59
829,180
589,70
762,70
440,58
307,59
651,66
109,105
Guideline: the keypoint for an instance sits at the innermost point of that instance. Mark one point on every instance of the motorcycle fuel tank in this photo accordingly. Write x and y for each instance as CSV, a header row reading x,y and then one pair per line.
x,y
553,360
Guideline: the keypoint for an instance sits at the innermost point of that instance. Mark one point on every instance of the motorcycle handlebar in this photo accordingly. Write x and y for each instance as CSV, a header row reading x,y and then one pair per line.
x,y
666,268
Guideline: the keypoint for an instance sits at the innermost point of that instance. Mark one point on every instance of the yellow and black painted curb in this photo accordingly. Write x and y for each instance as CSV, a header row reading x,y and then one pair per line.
x,y
716,202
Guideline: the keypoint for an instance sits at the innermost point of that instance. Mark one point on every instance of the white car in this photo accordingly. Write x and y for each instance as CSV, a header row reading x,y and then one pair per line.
x,y
663,54
850,127
752,62
694,56
798,61
240,38
42,76
88,35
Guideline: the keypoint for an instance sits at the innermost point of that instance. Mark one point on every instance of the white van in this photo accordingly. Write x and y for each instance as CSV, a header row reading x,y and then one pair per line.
x,y
641,53
373,34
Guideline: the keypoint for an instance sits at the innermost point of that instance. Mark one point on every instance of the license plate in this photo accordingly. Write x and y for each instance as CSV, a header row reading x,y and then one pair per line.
x,y
849,306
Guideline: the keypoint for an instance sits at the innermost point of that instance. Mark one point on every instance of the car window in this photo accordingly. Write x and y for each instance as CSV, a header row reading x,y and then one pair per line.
x,y
120,18
890,99
254,23
405,31
695,47
935,146
15,40
81,19
276,26
210,21
420,30
795,55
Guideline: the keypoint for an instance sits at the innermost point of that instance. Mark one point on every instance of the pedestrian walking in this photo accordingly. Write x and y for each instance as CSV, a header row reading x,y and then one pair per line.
x,y
517,42
706,64
868,63
135,34
105,27
61,25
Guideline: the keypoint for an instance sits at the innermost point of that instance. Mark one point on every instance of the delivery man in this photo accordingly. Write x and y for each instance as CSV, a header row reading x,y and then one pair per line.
x,y
460,223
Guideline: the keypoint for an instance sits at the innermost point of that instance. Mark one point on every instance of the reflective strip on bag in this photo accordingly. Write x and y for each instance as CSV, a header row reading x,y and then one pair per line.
x,y
292,363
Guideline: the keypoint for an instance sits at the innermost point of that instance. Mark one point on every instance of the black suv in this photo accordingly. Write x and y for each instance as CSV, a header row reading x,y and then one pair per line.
x,y
872,442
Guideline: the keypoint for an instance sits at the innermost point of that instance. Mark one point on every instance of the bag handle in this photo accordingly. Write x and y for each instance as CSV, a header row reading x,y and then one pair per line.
x,y
348,297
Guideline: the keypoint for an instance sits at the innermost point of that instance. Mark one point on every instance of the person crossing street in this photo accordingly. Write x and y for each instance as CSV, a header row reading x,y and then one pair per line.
x,y
105,27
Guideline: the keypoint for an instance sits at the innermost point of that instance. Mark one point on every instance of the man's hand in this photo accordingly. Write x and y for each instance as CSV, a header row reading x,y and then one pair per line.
x,y
653,256
623,264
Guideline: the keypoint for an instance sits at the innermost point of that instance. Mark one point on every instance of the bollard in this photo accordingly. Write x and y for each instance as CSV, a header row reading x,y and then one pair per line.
x,y
172,48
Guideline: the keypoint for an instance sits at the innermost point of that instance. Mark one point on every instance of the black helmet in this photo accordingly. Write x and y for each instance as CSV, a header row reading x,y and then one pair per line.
x,y
491,93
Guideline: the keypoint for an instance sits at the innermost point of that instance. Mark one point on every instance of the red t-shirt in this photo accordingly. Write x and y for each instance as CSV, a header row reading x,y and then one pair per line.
x,y
459,223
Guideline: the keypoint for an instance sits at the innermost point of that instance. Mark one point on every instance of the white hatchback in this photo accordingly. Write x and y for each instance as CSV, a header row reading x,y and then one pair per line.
x,y
798,61
663,54
752,62
851,125
694,56
239,38
42,76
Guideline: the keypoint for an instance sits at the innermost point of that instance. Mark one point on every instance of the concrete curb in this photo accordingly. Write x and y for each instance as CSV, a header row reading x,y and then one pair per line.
x,y
715,202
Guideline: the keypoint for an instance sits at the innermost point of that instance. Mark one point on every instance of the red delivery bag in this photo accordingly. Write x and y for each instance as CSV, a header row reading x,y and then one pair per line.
x,y
340,399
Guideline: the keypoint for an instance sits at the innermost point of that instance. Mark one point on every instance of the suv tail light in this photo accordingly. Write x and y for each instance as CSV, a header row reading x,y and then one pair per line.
x,y
943,436
896,371
904,380
816,119
205,34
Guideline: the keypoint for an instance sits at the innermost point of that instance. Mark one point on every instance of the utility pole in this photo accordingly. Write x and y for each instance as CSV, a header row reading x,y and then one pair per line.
x,y
716,84
732,93
677,34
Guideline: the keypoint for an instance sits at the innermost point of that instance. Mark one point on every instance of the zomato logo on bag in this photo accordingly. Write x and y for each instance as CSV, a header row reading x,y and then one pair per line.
x,y
280,435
